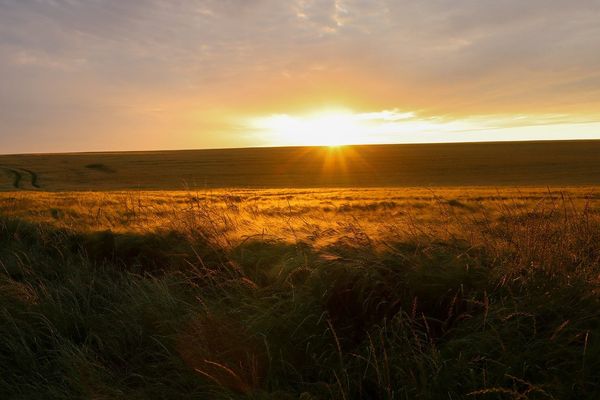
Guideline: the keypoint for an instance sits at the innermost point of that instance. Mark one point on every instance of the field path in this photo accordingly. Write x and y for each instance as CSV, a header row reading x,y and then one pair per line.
x,y
17,177
33,177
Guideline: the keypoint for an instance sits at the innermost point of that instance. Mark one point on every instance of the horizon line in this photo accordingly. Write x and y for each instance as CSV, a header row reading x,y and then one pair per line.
x,y
302,146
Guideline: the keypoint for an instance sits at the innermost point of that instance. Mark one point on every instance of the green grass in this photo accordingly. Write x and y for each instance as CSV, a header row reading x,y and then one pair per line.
x,y
503,308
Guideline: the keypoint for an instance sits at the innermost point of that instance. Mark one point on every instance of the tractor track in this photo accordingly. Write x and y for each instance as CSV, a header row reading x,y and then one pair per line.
x,y
33,178
18,175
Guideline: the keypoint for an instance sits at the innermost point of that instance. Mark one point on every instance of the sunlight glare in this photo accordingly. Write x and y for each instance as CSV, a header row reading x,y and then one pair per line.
x,y
323,129
339,126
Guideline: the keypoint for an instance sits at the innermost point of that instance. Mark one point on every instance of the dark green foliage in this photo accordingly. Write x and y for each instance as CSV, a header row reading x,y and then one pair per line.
x,y
163,315
150,252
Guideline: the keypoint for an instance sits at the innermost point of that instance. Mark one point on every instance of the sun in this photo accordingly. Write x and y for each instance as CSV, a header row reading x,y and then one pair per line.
x,y
325,128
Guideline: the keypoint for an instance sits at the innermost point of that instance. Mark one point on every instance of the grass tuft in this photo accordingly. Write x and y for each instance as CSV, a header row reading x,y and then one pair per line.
x,y
497,300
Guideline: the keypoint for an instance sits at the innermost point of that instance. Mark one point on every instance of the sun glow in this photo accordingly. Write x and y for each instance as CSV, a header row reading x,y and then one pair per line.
x,y
321,129
338,127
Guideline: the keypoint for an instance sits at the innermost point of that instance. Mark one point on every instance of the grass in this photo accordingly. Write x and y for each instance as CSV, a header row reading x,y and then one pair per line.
x,y
508,164
15,177
100,168
301,294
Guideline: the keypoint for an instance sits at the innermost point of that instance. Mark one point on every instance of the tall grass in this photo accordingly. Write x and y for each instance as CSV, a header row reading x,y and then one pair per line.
x,y
480,301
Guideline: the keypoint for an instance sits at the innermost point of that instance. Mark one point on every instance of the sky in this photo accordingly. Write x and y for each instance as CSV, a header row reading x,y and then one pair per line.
x,y
92,75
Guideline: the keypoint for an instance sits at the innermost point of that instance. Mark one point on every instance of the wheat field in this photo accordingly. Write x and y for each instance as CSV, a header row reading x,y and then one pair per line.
x,y
341,293
506,164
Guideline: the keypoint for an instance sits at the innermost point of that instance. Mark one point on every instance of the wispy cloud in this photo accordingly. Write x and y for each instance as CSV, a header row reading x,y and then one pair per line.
x,y
197,59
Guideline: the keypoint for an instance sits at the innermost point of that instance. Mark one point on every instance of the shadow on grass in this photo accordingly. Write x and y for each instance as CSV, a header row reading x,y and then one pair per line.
x,y
164,315
148,252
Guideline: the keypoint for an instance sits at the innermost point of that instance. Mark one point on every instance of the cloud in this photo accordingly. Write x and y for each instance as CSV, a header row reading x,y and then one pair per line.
x,y
440,57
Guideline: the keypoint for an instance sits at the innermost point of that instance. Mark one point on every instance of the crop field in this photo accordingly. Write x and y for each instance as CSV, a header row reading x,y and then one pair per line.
x,y
508,164
302,273
348,293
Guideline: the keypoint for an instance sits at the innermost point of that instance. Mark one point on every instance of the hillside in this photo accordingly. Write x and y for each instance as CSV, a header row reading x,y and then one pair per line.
x,y
559,163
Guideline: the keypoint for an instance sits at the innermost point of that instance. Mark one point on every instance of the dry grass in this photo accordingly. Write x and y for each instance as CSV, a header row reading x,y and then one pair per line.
x,y
314,215
310,294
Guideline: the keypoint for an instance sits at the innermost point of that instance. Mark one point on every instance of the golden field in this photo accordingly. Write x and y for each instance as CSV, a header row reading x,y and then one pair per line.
x,y
504,164
435,292
318,216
